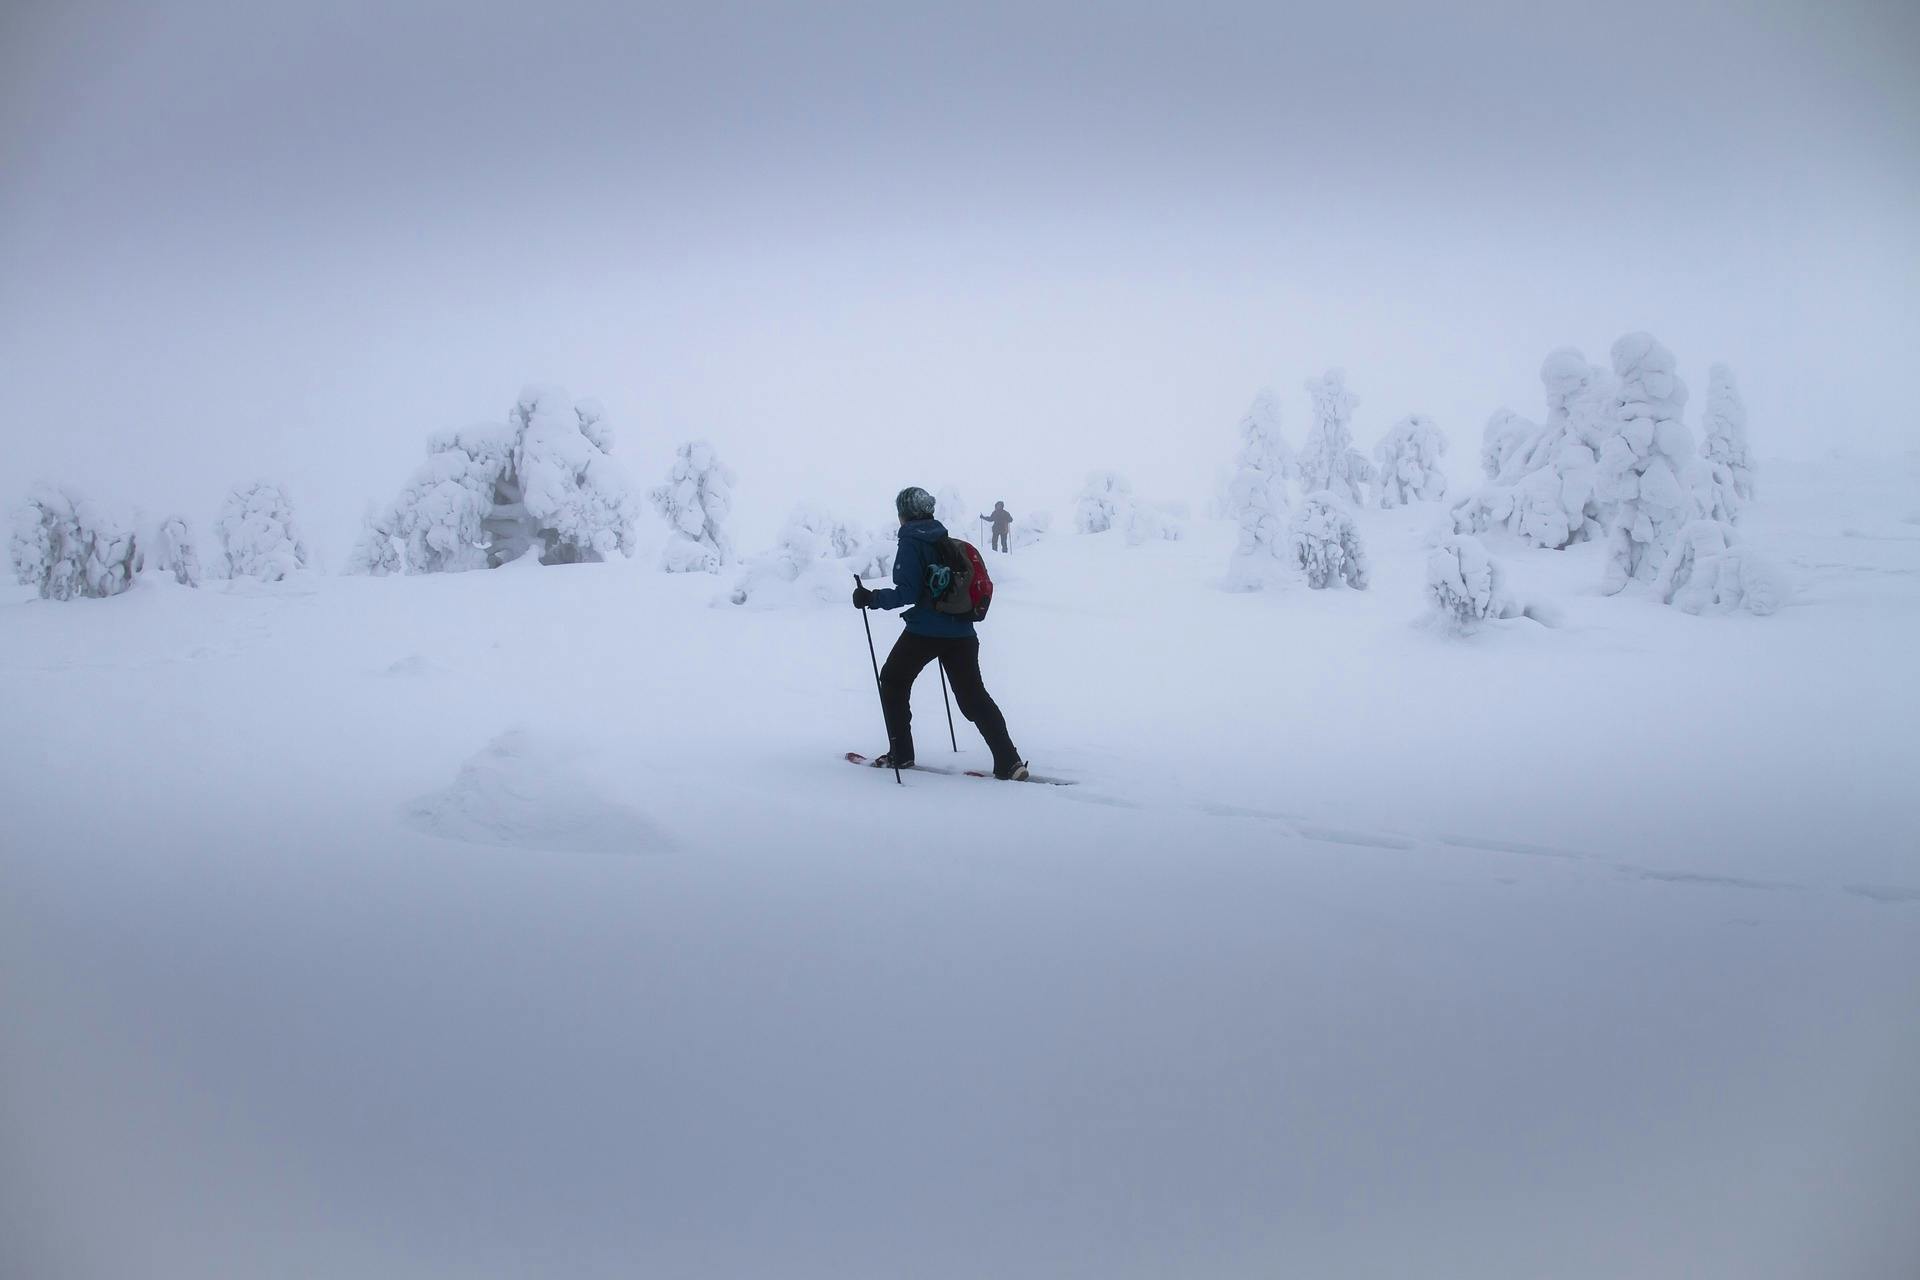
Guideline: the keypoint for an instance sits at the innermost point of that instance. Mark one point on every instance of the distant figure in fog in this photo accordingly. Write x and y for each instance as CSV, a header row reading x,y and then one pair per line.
x,y
1001,520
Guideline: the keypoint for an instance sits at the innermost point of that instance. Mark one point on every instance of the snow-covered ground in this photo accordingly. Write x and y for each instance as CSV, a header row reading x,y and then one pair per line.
x,y
527,923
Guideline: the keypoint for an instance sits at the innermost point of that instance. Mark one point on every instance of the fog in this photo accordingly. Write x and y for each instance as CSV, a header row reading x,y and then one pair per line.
x,y
860,246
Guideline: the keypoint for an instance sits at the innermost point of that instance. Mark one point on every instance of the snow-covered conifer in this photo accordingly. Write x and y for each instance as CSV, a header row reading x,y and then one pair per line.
x,y
178,551
543,482
1263,444
952,510
1643,462
1407,463
1257,499
258,535
376,552
577,500
811,558
1466,586
441,518
1729,480
1542,486
1326,545
1709,570
65,546
1155,522
1329,460
1505,434
696,501
1106,500
1032,527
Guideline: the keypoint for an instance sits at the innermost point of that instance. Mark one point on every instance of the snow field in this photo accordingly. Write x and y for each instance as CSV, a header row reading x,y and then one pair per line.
x,y
528,922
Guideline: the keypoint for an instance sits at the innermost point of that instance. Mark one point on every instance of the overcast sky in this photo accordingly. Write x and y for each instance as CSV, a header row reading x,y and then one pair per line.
x,y
865,245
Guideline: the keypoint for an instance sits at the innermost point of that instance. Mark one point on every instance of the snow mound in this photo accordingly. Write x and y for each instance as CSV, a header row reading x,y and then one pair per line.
x,y
523,792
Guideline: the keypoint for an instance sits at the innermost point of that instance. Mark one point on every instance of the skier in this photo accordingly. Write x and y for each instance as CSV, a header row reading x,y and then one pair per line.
x,y
1002,520
929,635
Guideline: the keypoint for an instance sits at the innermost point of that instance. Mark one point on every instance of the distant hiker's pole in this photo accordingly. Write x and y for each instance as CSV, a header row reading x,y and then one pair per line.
x,y
983,528
949,703
876,680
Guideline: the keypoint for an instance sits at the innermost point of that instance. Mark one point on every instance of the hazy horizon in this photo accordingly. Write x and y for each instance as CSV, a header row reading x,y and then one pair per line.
x,y
859,247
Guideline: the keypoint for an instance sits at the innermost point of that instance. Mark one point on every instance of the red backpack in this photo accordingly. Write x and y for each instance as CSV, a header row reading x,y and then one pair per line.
x,y
957,580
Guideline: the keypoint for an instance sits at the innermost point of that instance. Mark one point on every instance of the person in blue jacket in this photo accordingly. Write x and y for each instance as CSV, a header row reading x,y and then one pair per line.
x,y
930,635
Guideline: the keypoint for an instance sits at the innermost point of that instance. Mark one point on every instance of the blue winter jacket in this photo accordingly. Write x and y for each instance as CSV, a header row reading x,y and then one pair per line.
x,y
910,583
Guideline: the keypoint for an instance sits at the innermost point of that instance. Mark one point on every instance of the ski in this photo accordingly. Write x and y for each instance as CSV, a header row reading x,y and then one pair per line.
x,y
867,762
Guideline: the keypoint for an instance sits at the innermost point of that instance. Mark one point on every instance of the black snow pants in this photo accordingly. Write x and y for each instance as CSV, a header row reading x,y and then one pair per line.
x,y
959,657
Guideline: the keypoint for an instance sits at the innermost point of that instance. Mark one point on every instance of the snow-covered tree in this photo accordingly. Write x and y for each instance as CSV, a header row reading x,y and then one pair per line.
x,y
441,517
1326,545
1263,444
377,551
1257,499
577,500
1505,434
1643,463
1542,477
1106,500
1032,527
178,551
1709,570
1466,586
66,546
812,558
1155,522
1407,463
544,482
953,511
258,535
696,501
1728,483
1329,460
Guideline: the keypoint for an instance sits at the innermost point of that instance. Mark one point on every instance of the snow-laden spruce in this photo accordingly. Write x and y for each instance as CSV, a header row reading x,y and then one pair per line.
x,y
953,510
1256,500
259,537
1641,479
812,559
1710,570
696,501
1329,460
1262,443
1466,586
1326,544
1406,463
1505,434
544,482
1542,476
66,546
1155,522
177,551
378,551
578,503
1031,528
1105,500
1728,484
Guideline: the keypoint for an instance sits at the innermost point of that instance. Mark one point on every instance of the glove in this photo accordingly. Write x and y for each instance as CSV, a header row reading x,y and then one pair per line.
x,y
862,597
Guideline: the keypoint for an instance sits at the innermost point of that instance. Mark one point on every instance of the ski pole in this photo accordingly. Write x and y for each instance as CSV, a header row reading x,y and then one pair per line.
x,y
871,653
949,705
